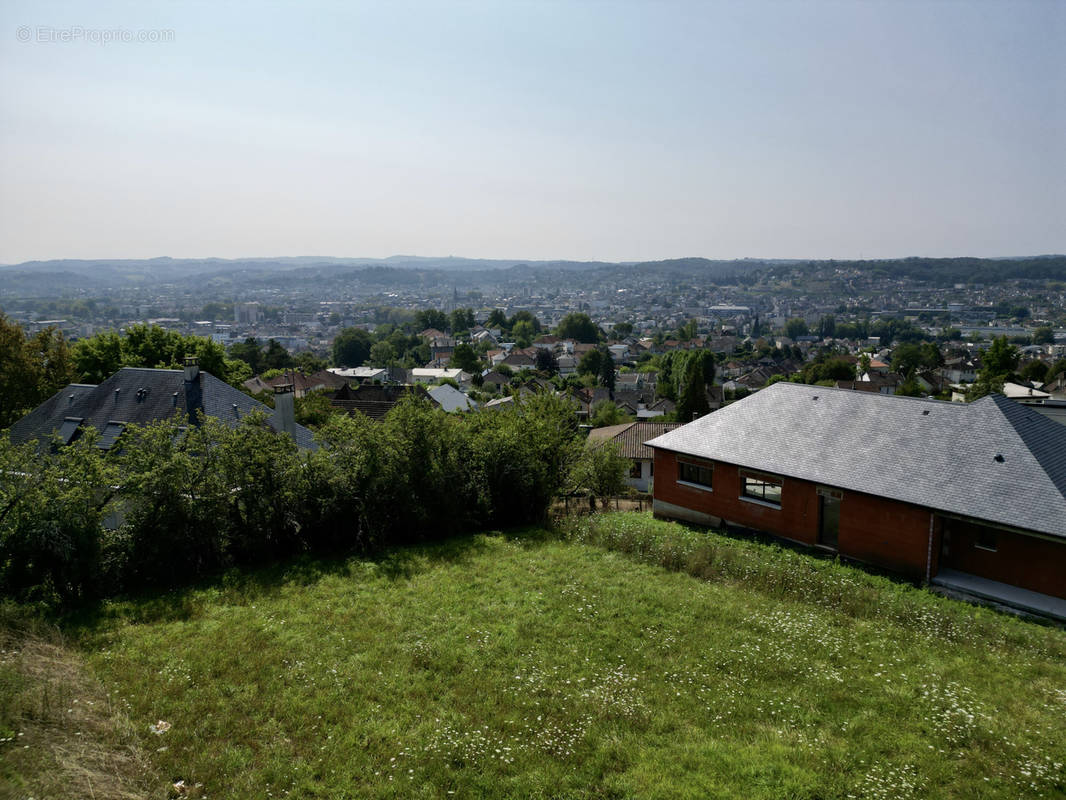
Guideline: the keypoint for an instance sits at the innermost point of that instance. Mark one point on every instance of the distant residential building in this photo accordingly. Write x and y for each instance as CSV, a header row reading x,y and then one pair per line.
x,y
246,313
138,396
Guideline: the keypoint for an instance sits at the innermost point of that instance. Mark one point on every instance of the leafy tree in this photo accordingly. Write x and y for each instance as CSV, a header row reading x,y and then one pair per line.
x,y
351,347
546,361
796,327
906,358
308,363
250,351
462,319
600,471
827,326
98,357
579,327
102,354
590,363
465,358
997,364
621,330
1001,358
910,387
606,369
51,509
605,413
523,333
314,410
1035,371
692,391
1044,335
276,356
525,316
382,354
431,318
31,370
931,355
687,332
237,371
497,319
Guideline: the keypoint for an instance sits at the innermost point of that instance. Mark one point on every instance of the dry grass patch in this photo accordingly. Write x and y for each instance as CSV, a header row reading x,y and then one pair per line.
x,y
60,736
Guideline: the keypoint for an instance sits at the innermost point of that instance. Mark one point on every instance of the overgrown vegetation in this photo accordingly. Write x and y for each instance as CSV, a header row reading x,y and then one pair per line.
x,y
192,500
532,667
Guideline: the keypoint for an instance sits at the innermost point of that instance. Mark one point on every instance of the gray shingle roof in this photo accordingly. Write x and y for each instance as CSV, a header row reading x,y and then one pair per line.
x,y
938,455
140,396
630,437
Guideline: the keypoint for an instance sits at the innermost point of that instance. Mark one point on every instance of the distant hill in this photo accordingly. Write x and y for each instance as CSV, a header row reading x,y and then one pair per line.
x,y
48,278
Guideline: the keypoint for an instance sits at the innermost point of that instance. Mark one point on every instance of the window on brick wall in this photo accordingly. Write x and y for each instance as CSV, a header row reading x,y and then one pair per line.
x,y
764,488
695,473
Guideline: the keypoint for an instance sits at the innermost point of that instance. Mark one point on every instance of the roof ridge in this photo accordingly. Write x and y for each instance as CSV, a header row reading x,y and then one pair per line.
x,y
1044,438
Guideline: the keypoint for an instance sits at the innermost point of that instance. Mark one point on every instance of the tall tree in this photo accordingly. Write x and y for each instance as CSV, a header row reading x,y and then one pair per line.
x,y
352,347
465,358
250,351
546,361
31,370
606,369
462,319
997,364
796,327
431,318
692,390
590,363
579,327
276,356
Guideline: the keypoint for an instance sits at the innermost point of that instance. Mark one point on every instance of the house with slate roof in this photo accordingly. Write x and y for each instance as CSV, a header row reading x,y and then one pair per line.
x,y
140,396
940,492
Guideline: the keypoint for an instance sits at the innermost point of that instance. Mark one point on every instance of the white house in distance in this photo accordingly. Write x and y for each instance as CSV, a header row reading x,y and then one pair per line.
x,y
432,375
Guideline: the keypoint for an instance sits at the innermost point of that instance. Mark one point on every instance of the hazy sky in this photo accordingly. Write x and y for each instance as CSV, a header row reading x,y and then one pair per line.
x,y
582,130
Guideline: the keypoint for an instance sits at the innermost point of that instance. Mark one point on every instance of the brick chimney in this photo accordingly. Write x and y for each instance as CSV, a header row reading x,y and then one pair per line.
x,y
285,408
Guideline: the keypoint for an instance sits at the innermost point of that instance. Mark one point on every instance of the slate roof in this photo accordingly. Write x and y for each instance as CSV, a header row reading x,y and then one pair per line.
x,y
938,455
136,395
375,401
630,437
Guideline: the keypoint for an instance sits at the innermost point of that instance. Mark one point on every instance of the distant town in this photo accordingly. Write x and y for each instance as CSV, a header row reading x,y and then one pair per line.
x,y
762,320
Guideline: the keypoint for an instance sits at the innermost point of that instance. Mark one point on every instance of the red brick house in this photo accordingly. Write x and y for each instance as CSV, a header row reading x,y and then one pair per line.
x,y
921,487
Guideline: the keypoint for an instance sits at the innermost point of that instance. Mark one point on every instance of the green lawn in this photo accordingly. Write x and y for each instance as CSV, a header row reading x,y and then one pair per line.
x,y
531,666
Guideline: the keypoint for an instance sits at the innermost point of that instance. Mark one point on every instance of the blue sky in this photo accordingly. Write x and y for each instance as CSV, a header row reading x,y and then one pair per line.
x,y
583,130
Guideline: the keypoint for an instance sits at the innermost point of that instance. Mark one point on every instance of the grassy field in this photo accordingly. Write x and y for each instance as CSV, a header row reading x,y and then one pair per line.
x,y
575,665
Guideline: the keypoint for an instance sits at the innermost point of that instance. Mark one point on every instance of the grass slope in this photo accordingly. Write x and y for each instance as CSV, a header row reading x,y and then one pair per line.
x,y
534,667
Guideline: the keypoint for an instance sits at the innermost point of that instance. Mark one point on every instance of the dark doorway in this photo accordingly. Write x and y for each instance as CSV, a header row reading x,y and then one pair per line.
x,y
829,517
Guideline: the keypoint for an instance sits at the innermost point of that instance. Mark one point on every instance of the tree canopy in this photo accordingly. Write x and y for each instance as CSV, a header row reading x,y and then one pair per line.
x,y
579,327
351,347
33,369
